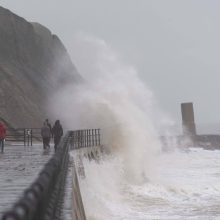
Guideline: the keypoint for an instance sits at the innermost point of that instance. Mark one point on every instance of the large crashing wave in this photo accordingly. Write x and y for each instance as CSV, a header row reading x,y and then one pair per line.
x,y
133,182
114,99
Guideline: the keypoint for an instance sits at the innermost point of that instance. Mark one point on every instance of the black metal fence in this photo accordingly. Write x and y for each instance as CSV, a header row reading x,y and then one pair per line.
x,y
25,136
86,138
81,138
43,199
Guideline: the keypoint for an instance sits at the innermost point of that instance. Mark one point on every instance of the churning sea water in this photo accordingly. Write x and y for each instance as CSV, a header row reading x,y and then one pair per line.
x,y
137,181
186,185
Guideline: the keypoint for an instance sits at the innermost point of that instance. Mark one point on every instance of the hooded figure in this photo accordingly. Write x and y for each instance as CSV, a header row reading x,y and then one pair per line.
x,y
45,134
57,132
49,125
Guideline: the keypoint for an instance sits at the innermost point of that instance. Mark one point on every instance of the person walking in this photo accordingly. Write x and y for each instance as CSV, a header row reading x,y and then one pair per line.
x,y
45,134
57,133
49,125
2,135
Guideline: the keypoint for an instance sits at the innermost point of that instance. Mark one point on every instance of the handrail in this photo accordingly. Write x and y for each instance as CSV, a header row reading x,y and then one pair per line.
x,y
85,138
25,135
43,199
39,201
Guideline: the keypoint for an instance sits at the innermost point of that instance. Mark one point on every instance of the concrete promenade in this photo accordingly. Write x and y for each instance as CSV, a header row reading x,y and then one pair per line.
x,y
19,166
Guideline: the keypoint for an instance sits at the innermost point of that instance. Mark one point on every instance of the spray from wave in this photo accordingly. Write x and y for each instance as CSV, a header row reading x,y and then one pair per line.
x,y
114,99
125,184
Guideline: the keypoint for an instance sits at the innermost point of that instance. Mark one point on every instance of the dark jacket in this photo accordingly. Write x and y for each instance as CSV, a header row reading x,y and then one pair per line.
x,y
49,125
45,131
57,130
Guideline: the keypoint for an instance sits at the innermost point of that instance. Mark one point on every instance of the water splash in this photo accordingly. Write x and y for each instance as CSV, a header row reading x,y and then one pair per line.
x,y
114,99
125,184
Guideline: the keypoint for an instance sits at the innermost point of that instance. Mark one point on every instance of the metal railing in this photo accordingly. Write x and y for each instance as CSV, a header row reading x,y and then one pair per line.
x,y
17,135
85,138
24,135
43,199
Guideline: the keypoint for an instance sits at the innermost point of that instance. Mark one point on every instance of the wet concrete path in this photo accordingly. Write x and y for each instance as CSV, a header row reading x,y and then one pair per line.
x,y
19,166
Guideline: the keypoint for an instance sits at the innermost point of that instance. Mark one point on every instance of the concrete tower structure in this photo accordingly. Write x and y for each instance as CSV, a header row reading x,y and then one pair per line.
x,y
188,122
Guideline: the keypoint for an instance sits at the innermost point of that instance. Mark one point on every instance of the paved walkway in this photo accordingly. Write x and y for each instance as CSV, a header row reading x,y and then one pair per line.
x,y
19,166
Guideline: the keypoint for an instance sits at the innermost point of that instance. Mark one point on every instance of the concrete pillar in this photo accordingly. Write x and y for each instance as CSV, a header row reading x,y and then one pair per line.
x,y
188,122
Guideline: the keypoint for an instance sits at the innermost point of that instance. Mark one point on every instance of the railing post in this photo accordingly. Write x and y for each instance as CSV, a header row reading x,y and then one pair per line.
x,y
99,136
28,136
92,137
96,139
31,137
24,137
89,138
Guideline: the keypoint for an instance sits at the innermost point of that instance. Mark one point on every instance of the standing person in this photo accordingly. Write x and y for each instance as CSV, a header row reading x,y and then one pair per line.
x,y
45,134
57,132
2,135
49,125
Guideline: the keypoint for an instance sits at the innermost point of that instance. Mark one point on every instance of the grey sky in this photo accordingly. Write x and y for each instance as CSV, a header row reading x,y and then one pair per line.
x,y
175,44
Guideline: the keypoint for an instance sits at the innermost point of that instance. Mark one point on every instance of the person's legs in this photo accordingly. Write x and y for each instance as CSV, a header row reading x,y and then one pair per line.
x,y
44,143
1,145
56,142
48,143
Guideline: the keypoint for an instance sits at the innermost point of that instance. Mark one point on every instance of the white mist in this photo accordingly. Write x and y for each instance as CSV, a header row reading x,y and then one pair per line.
x,y
125,184
114,99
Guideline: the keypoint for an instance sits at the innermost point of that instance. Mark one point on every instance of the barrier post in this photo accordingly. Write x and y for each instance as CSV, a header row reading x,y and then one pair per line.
x,y
24,136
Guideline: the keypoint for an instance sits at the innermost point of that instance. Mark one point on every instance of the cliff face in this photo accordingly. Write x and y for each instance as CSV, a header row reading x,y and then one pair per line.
x,y
33,64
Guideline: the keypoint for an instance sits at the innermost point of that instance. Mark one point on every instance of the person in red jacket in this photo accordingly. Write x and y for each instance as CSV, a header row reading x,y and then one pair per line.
x,y
2,135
